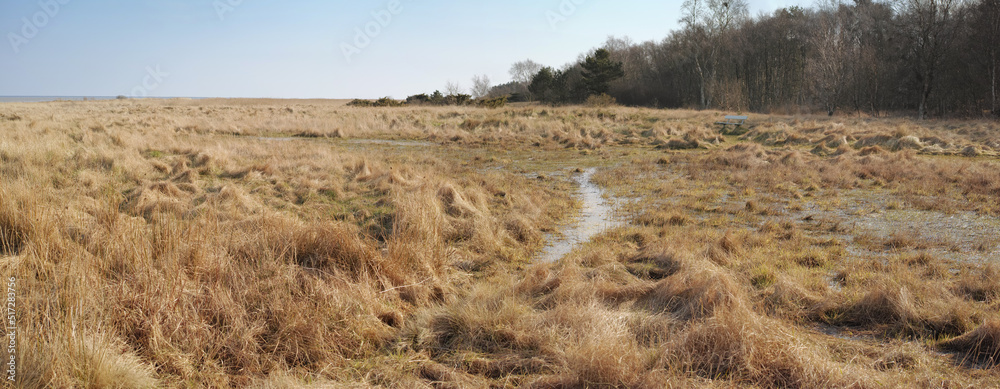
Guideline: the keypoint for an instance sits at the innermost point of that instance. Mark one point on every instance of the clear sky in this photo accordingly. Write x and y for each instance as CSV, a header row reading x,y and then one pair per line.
x,y
296,48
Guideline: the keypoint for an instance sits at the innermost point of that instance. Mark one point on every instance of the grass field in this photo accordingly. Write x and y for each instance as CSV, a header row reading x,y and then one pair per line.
x,y
271,244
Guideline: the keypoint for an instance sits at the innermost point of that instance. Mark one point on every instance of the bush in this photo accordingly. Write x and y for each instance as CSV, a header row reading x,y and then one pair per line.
x,y
459,99
498,102
438,99
418,99
601,100
382,102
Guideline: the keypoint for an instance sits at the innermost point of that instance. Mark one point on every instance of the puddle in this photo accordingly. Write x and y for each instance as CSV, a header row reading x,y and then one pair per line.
x,y
281,139
962,236
387,142
595,217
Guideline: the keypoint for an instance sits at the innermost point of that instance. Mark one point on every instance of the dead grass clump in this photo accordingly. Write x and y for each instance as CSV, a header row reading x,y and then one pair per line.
x,y
695,293
262,169
455,204
523,230
730,247
884,304
391,318
843,150
982,284
787,299
444,377
609,357
231,202
334,248
891,142
185,176
745,349
903,357
743,156
793,158
821,150
813,258
904,240
537,281
655,263
497,324
834,141
981,345
662,219
872,150
85,360
971,151
909,142
160,166
13,228
930,311
155,198
680,144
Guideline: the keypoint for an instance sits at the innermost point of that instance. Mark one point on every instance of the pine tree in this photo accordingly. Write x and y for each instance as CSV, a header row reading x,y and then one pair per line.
x,y
599,71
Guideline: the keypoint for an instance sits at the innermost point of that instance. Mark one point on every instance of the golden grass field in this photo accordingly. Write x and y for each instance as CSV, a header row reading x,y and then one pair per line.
x,y
273,244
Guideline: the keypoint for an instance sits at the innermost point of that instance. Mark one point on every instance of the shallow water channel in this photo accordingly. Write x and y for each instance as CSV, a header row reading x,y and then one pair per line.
x,y
596,213
595,217
354,141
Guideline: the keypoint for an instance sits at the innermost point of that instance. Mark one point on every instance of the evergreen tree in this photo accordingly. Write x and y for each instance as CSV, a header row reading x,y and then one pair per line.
x,y
599,71
542,85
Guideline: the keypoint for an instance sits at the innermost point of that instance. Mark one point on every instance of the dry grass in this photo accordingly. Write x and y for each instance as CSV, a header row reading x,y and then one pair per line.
x,y
165,244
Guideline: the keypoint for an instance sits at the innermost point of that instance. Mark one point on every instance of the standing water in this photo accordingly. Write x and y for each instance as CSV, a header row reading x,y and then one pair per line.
x,y
595,217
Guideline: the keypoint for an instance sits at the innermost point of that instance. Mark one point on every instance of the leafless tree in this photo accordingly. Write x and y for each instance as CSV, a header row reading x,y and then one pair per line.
x,y
826,68
453,89
522,72
929,27
986,42
480,86
706,22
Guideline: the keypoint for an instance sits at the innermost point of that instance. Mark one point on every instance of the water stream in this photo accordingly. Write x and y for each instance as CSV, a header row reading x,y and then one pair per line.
x,y
353,141
595,217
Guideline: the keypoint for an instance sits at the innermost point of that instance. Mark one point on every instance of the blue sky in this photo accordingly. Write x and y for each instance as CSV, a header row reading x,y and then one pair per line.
x,y
295,48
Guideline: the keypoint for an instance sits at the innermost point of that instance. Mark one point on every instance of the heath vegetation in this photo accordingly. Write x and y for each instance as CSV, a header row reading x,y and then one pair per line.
x,y
264,243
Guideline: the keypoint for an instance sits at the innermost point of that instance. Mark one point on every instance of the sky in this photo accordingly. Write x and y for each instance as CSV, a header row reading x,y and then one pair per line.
x,y
303,48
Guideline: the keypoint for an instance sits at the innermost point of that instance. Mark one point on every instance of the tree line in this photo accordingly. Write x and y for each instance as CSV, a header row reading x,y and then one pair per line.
x,y
929,57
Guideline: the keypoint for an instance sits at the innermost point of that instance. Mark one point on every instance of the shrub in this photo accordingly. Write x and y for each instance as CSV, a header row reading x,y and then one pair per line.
x,y
382,102
459,99
418,99
498,102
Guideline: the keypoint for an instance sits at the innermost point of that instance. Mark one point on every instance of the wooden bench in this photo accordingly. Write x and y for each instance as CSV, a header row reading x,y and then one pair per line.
x,y
732,120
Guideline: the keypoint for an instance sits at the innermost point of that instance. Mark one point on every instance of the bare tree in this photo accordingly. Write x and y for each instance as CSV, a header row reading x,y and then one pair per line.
x,y
480,86
929,27
706,22
453,89
827,66
986,38
522,71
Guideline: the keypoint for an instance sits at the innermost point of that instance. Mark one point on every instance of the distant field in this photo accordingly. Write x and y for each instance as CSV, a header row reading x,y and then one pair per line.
x,y
304,243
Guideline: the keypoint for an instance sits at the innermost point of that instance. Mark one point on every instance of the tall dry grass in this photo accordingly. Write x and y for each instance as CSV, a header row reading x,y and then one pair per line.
x,y
165,244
